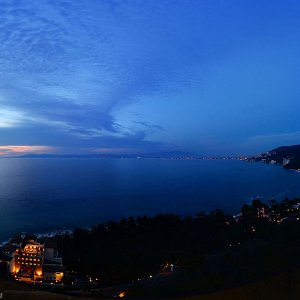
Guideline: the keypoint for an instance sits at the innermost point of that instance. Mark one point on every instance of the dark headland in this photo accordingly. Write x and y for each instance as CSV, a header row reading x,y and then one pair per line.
x,y
287,156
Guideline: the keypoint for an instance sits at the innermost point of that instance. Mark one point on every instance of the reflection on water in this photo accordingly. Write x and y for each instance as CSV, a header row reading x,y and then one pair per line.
x,y
44,194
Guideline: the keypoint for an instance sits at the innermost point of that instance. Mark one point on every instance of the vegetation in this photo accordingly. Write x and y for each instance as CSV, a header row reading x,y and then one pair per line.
x,y
213,251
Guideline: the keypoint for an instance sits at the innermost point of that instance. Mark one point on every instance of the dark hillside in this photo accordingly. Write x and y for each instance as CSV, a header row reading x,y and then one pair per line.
x,y
288,156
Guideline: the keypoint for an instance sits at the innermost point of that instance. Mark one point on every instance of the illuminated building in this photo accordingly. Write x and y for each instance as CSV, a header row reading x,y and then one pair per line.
x,y
31,261
28,261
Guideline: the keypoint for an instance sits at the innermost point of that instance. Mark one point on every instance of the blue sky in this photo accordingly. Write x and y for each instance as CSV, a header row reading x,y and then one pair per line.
x,y
90,76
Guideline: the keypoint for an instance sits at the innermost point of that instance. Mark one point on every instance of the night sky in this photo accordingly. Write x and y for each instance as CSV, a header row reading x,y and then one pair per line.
x,y
94,76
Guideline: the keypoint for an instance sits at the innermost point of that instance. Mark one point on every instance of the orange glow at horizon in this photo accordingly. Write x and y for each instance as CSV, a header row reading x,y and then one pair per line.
x,y
24,149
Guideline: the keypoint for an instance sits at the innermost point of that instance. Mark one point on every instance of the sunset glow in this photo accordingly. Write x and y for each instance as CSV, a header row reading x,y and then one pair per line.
x,y
11,150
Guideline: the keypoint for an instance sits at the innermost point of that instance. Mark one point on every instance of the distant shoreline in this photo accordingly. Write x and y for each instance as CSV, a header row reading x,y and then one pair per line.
x,y
134,156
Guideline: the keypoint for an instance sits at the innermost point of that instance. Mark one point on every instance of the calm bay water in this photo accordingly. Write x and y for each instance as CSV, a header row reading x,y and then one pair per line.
x,y
38,195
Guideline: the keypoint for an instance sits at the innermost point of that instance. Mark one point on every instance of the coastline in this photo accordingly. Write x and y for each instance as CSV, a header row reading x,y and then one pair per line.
x,y
47,234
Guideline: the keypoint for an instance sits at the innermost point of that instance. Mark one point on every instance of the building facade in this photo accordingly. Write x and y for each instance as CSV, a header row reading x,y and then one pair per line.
x,y
32,261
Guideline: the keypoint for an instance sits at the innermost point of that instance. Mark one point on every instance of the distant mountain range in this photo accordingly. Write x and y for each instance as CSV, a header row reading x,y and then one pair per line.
x,y
170,155
287,156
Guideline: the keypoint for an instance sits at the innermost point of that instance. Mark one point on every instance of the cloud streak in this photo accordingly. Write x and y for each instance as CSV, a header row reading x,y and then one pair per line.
x,y
68,69
139,74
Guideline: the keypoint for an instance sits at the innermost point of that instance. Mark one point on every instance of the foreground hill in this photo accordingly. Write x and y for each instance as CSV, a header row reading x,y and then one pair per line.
x,y
282,286
288,156
169,256
206,256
